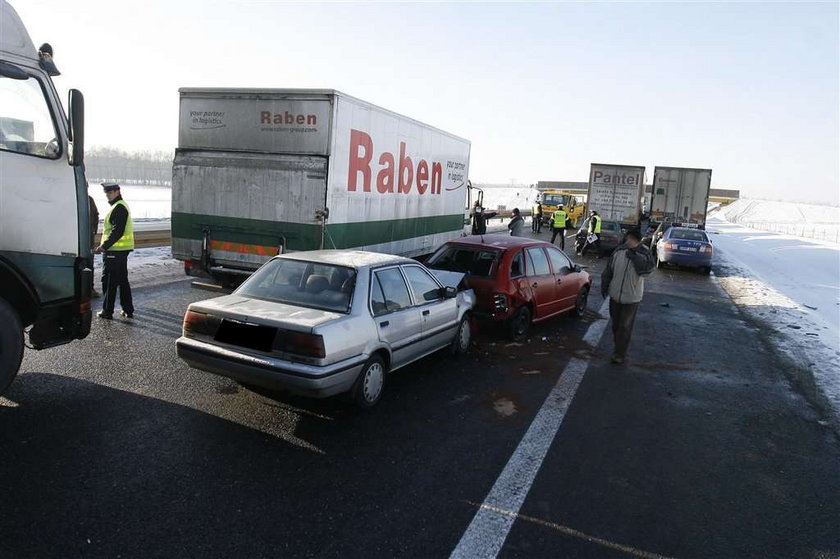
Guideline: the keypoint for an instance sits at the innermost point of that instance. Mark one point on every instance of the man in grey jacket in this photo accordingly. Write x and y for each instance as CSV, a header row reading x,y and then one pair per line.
x,y
623,281
517,224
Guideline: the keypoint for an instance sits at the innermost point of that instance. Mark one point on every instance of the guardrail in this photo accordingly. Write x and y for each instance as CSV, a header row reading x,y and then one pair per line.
x,y
818,231
162,236
146,238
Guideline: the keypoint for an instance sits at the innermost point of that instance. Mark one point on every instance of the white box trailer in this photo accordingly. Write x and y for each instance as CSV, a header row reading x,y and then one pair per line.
x,y
263,171
680,195
616,191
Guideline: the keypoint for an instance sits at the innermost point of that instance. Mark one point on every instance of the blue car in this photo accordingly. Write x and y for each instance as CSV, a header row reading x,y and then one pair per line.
x,y
685,247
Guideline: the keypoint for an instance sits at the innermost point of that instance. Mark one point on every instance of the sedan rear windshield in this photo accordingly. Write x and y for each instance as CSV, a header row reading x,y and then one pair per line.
x,y
688,235
306,284
474,261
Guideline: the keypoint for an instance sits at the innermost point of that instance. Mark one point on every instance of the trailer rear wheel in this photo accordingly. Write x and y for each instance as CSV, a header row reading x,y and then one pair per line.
x,y
11,344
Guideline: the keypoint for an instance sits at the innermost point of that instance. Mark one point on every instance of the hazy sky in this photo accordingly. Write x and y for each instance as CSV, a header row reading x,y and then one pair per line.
x,y
541,90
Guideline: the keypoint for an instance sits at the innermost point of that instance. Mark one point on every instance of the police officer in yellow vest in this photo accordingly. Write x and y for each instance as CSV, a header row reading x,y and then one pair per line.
x,y
117,242
595,229
558,227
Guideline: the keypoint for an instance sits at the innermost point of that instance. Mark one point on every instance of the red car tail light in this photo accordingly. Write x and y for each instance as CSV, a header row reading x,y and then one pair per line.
x,y
706,248
300,343
201,323
670,246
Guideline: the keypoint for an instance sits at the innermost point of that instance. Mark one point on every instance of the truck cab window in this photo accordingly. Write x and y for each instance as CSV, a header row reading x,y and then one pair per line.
x,y
26,124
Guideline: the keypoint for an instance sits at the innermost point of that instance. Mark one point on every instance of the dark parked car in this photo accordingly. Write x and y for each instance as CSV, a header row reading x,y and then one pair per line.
x,y
686,247
516,280
611,235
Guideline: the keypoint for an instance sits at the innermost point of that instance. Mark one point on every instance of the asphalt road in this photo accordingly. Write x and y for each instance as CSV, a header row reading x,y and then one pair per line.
x,y
698,446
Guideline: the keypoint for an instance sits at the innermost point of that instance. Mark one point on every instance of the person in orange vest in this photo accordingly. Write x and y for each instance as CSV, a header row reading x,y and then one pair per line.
x,y
117,241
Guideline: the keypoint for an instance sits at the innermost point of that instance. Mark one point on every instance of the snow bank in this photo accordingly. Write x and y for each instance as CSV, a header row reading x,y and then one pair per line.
x,y
763,274
800,220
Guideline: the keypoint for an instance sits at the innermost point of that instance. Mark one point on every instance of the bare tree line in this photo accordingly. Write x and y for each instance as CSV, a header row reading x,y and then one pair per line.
x,y
107,164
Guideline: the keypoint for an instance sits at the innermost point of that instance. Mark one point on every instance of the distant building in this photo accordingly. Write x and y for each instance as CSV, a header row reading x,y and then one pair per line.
x,y
562,185
723,195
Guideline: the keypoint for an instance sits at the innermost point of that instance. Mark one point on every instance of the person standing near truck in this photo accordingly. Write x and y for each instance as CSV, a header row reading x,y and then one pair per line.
x,y
536,217
623,281
117,242
594,230
517,224
558,226
93,217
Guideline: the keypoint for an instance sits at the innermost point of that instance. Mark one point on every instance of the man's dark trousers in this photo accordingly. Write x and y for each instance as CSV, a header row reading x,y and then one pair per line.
x,y
622,317
562,233
115,275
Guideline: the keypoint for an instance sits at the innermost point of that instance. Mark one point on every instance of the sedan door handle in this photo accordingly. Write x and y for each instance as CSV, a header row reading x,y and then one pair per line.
x,y
384,323
426,313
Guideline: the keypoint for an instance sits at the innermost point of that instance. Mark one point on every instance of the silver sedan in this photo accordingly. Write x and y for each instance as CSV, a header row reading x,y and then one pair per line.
x,y
327,322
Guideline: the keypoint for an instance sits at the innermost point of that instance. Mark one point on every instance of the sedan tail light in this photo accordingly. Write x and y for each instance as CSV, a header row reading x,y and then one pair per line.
x,y
300,343
670,246
706,248
200,323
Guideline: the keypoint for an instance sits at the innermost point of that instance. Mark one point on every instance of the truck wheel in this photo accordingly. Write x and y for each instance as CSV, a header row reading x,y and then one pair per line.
x,y
11,344
463,336
371,382
519,324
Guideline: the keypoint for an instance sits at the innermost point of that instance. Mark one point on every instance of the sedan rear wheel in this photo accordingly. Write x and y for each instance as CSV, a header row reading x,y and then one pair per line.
x,y
520,323
371,383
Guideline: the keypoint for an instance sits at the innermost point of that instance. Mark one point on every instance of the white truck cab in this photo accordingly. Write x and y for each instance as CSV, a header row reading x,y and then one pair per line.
x,y
45,254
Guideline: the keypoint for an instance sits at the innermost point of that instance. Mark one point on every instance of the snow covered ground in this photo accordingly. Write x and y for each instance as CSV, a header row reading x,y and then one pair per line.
x,y
146,202
508,197
801,220
791,286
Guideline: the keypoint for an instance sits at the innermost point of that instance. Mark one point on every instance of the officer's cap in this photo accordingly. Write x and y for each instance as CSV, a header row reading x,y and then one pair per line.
x,y
109,186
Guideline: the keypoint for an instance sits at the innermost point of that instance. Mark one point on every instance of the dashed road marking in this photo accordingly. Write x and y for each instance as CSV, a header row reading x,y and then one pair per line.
x,y
489,528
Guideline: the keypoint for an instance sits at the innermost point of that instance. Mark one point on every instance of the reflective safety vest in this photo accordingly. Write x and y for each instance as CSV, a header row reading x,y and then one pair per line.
x,y
535,210
560,219
595,224
126,242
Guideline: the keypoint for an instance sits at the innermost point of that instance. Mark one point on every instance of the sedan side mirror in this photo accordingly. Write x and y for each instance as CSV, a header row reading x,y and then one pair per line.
x,y
577,268
449,292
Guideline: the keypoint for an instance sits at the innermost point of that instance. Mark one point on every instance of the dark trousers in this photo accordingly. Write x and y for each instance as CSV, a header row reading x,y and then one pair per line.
x,y
622,317
562,233
536,223
115,275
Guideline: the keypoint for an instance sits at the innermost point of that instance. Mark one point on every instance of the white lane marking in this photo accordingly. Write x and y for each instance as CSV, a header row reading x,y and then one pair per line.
x,y
488,530
580,535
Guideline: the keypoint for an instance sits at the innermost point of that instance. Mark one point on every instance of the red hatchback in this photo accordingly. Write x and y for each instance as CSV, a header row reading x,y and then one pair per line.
x,y
516,280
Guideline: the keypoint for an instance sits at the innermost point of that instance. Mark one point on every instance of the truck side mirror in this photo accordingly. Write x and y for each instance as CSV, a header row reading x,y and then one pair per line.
x,y
77,127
